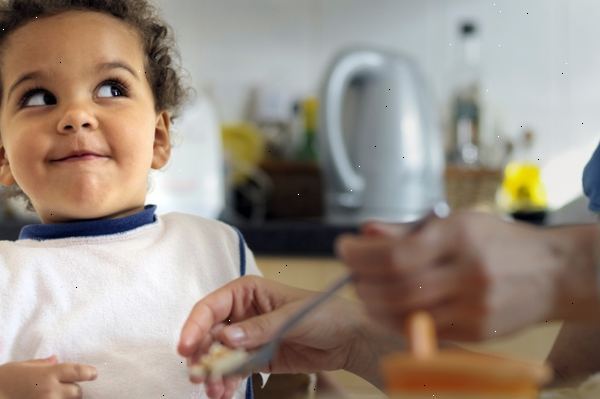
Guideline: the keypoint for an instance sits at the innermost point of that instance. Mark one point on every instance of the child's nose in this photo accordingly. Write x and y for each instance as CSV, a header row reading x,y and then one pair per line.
x,y
76,119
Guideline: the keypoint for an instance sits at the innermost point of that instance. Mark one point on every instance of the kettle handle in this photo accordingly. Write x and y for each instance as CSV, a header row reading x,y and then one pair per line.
x,y
342,72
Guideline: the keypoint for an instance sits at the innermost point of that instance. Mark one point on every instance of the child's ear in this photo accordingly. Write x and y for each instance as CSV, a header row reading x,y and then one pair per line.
x,y
6,176
162,140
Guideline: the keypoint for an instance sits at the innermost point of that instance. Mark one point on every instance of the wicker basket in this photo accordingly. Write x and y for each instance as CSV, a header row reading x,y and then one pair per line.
x,y
472,187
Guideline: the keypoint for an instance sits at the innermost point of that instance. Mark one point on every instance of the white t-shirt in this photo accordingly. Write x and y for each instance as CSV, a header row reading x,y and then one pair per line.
x,y
117,301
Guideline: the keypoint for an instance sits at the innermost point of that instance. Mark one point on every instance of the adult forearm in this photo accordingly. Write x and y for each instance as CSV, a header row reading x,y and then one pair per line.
x,y
577,248
576,353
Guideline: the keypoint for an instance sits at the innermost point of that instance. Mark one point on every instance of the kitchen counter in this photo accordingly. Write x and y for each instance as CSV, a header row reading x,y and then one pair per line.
x,y
272,238
293,237
10,229
312,238
316,273
305,260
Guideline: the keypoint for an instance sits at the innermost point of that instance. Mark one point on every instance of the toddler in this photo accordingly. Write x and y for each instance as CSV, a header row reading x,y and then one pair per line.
x,y
92,300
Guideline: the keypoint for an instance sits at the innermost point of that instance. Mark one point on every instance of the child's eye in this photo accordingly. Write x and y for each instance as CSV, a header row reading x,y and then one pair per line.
x,y
112,89
38,98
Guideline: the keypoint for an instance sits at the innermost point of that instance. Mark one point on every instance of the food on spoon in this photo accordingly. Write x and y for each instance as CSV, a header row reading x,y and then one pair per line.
x,y
220,360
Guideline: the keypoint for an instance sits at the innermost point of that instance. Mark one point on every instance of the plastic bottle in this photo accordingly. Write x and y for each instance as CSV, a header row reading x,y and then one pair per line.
x,y
522,193
310,108
466,110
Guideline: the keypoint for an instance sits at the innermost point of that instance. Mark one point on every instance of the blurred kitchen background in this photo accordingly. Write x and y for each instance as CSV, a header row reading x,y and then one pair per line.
x,y
491,105
312,116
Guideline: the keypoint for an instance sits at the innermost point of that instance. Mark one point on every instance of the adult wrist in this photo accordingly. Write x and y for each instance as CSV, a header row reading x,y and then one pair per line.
x,y
577,251
371,341
596,254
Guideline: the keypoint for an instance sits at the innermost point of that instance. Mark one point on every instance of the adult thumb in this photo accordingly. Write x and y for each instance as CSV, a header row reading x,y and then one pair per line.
x,y
255,331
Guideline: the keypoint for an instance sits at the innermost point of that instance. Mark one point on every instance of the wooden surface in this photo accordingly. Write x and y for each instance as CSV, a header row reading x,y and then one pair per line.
x,y
317,273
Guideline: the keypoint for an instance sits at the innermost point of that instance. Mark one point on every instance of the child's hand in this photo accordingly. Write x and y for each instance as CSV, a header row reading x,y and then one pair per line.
x,y
43,379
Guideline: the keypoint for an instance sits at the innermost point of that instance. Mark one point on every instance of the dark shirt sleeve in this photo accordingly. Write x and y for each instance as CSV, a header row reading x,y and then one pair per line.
x,y
591,181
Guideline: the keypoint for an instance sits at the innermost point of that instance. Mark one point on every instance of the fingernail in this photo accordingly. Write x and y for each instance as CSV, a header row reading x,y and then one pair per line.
x,y
235,334
186,342
188,335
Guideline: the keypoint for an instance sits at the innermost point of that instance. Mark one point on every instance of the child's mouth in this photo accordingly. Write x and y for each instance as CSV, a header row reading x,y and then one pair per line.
x,y
76,157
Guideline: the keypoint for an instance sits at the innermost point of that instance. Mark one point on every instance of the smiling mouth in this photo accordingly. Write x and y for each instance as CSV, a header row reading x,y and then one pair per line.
x,y
85,156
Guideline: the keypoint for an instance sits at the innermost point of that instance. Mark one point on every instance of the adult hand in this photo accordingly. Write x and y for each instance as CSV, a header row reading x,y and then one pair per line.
x,y
477,275
255,308
43,378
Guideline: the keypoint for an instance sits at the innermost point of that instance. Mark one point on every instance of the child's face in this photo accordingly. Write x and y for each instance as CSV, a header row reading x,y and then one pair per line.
x,y
78,123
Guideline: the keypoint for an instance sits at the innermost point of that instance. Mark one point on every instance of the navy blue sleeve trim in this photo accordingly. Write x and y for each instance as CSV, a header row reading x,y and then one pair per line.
x,y
242,253
242,248
249,392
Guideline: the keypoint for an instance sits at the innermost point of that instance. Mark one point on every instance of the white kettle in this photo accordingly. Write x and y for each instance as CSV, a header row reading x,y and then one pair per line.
x,y
380,145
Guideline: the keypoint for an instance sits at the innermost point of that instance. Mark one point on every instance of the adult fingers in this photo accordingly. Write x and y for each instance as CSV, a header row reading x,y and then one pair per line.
x,y
362,254
462,319
452,323
374,229
71,391
75,372
449,332
421,290
206,313
51,360
377,257
255,331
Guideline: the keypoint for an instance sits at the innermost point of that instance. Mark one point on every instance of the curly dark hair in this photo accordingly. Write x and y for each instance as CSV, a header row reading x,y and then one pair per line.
x,y
164,72
162,58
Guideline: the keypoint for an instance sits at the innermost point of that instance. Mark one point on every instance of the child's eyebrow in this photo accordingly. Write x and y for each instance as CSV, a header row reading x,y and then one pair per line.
x,y
118,65
28,76
102,66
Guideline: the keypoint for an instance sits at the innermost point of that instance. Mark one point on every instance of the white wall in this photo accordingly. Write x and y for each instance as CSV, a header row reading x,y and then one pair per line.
x,y
231,46
540,58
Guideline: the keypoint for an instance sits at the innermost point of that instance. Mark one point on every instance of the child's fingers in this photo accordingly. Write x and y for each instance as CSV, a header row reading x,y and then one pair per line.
x,y
74,372
48,361
231,385
215,388
211,310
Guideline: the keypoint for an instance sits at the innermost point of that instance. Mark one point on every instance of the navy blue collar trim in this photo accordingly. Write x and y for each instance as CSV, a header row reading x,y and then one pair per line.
x,y
88,228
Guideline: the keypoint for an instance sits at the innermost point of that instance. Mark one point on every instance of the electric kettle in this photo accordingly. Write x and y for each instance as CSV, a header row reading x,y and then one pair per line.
x,y
380,146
